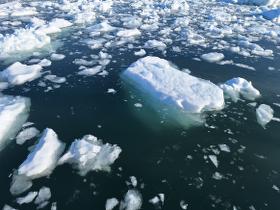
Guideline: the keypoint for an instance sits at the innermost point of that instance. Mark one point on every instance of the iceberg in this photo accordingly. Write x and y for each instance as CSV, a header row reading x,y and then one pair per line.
x,y
43,159
13,114
90,154
165,83
239,86
18,73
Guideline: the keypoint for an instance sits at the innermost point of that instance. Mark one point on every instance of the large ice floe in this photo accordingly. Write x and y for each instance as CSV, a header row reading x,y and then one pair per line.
x,y
236,87
13,113
167,84
273,3
90,154
18,73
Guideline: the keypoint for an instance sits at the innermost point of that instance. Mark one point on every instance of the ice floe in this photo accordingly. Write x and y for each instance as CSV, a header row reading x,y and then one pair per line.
x,y
26,134
13,114
27,199
111,203
132,201
18,73
213,57
237,87
43,197
90,154
167,84
264,114
43,159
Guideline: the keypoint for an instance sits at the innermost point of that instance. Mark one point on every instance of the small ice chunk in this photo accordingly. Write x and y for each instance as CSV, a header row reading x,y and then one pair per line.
x,y
7,207
155,44
90,71
133,181
13,114
20,184
43,196
217,176
90,154
132,201
184,205
111,90
55,79
45,63
214,160
43,159
27,199
18,73
264,114
57,57
138,105
26,134
213,57
111,203
238,86
224,147
158,200
129,33
164,82
141,52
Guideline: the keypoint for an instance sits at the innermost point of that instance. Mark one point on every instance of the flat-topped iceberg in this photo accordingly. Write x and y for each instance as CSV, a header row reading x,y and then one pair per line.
x,y
213,57
175,88
18,73
13,113
90,154
43,159
237,87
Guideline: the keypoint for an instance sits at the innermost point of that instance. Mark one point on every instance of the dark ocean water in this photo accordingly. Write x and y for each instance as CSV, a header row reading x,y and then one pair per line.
x,y
164,157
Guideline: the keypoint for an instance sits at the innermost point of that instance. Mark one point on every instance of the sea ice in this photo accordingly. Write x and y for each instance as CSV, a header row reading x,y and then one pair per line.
x,y
18,73
22,40
90,154
132,201
27,199
13,114
26,134
111,203
264,114
57,57
166,83
238,86
213,57
43,159
129,33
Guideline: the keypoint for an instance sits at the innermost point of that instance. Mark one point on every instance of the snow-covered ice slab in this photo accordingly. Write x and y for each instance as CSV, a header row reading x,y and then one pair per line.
x,y
239,86
13,113
264,114
43,159
18,73
90,154
175,88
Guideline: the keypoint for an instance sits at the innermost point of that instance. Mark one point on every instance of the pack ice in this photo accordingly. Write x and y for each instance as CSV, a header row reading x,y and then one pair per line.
x,y
13,113
90,154
175,88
